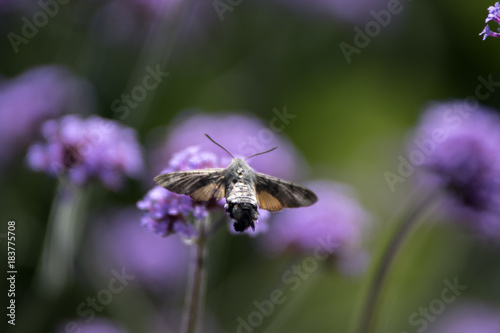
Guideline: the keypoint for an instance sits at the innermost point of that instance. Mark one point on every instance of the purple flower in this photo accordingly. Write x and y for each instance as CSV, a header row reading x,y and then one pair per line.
x,y
87,148
119,241
97,325
29,99
493,15
168,212
467,318
458,154
334,226
488,33
242,135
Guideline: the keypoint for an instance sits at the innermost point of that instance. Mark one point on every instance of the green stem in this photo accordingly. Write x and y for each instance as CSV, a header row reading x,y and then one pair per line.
x,y
62,239
367,321
195,291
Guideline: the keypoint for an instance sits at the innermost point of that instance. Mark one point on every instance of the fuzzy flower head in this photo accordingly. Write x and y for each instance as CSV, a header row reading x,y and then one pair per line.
x,y
460,157
468,318
84,149
243,135
493,15
168,212
334,226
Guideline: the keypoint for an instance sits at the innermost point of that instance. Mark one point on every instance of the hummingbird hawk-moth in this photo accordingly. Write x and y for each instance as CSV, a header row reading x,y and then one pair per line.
x,y
243,188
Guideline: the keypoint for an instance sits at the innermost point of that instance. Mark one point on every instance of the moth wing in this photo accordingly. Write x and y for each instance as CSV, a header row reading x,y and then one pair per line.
x,y
274,194
201,185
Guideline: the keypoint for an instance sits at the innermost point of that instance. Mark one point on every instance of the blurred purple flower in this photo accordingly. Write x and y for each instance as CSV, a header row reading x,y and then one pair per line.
x,y
493,15
336,224
97,325
461,158
34,96
241,134
157,263
168,212
468,318
87,148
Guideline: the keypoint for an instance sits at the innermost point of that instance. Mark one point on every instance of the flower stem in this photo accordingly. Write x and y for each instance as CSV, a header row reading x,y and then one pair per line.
x,y
195,291
62,239
367,321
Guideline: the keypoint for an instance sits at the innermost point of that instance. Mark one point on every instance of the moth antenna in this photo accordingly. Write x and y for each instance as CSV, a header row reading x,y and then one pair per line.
x,y
208,136
264,152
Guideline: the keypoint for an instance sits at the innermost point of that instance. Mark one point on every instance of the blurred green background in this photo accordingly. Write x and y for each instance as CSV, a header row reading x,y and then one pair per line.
x,y
352,120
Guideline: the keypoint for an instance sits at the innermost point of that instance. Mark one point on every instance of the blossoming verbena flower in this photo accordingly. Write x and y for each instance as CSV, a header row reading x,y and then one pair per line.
x,y
85,149
335,225
461,159
493,15
168,212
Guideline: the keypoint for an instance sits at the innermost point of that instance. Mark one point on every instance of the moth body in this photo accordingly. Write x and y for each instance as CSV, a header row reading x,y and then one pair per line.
x,y
241,195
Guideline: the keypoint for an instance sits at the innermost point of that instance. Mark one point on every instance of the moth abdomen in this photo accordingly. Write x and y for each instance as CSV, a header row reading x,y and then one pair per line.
x,y
244,214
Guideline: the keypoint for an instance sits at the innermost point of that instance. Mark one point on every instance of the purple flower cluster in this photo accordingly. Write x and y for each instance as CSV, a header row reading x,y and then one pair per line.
x,y
241,134
335,225
84,149
493,15
462,160
467,318
32,97
119,241
168,212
